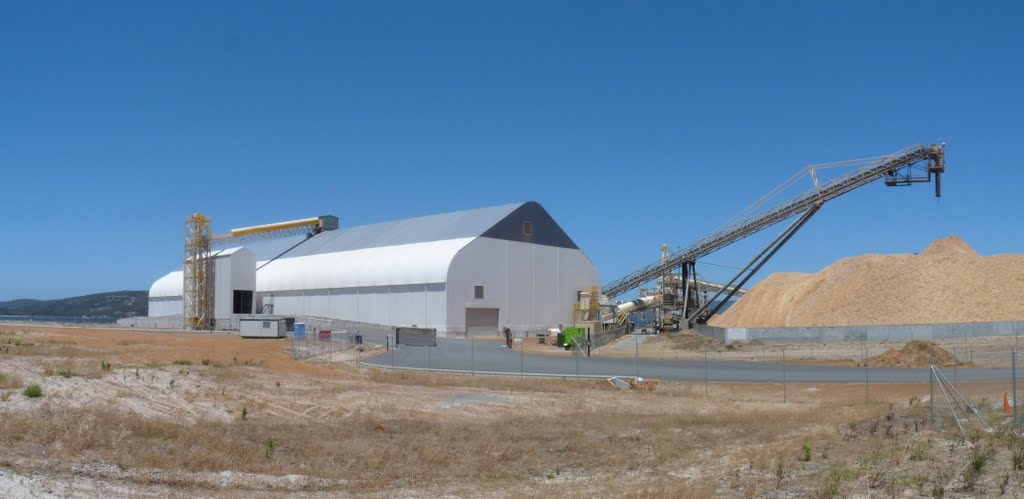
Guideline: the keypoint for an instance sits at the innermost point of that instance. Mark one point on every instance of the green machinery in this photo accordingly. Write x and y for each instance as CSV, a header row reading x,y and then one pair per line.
x,y
572,336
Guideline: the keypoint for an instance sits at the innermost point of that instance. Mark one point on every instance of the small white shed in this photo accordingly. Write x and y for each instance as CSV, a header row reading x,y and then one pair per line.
x,y
261,328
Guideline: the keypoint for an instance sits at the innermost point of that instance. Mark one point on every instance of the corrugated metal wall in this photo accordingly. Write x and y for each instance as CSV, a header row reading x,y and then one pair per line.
x,y
533,286
406,305
165,306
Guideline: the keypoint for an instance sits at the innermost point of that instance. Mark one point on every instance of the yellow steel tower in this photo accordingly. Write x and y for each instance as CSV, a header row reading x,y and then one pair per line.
x,y
198,270
199,242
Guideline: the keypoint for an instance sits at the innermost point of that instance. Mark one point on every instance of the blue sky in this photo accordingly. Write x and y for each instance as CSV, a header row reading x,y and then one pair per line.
x,y
633,123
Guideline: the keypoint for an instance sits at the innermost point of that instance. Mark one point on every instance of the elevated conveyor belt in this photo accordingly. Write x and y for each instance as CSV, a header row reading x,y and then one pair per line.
x,y
715,287
896,169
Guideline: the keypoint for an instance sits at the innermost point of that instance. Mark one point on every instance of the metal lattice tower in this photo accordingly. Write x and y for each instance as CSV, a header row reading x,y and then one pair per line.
x,y
198,270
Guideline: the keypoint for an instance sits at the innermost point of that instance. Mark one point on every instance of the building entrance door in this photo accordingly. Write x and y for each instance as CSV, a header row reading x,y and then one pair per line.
x,y
482,322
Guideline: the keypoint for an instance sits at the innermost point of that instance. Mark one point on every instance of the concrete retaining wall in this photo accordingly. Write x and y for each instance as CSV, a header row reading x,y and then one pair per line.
x,y
839,334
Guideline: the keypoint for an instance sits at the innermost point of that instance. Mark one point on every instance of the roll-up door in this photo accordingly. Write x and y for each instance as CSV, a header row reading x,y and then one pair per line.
x,y
482,322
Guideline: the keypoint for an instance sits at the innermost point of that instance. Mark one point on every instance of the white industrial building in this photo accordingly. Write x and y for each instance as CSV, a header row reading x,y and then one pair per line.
x,y
475,271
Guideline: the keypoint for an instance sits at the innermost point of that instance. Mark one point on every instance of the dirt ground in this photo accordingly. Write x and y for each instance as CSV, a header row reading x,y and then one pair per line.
x,y
992,351
181,415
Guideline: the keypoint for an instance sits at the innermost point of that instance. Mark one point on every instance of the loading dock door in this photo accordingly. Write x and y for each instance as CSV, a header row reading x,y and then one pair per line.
x,y
482,322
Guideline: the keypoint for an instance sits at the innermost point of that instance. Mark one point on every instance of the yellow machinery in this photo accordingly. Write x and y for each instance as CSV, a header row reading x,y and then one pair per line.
x,y
197,294
198,266
587,309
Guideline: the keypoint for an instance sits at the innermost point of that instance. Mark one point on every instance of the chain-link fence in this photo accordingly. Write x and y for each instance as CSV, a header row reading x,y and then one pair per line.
x,y
877,370
973,400
320,344
601,338
313,341
848,334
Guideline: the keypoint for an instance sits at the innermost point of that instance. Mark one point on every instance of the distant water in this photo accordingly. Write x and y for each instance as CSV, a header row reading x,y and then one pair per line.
x,y
57,318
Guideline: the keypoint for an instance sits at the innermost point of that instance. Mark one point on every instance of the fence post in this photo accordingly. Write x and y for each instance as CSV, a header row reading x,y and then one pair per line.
x,y
955,362
705,371
1013,374
636,346
867,380
472,356
965,346
931,388
576,353
784,394
522,359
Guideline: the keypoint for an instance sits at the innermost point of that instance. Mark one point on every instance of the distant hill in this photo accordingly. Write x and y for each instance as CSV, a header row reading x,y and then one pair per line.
x,y
114,304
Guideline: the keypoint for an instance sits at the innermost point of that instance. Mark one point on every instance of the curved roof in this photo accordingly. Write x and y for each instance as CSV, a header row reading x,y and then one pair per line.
x,y
169,285
410,251
418,263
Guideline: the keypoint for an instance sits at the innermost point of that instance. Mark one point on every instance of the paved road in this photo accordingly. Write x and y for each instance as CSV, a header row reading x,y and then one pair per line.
x,y
493,358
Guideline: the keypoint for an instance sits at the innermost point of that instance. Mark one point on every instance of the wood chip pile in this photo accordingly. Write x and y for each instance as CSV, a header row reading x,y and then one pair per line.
x,y
915,353
946,283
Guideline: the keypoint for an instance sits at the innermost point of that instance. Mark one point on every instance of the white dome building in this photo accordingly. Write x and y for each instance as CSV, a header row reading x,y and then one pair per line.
x,y
475,272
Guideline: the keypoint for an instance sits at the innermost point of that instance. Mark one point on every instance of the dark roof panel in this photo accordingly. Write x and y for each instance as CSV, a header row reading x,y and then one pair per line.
x,y
543,229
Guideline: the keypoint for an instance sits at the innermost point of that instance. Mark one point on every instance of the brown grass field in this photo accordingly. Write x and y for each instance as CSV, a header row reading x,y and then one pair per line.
x,y
126,413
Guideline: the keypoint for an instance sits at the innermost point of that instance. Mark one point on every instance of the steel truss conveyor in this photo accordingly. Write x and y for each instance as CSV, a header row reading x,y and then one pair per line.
x,y
897,169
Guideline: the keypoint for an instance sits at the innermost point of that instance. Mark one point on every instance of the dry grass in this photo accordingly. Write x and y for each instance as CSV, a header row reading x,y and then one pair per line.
x,y
370,452
361,431
502,383
138,348
10,381
70,367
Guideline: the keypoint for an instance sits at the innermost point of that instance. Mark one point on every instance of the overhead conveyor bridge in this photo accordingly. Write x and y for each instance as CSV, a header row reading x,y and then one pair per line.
x,y
716,287
901,168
